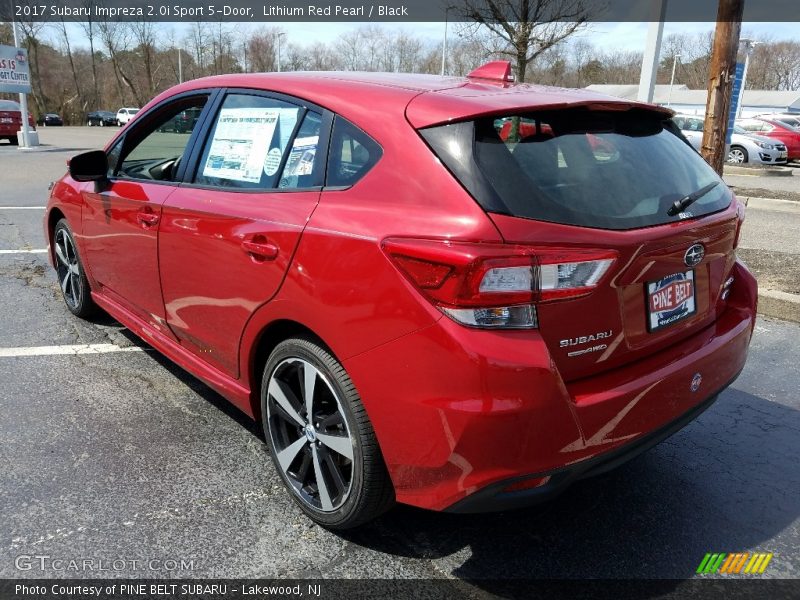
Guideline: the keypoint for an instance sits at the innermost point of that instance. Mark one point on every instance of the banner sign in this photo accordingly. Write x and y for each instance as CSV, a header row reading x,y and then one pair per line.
x,y
736,97
14,73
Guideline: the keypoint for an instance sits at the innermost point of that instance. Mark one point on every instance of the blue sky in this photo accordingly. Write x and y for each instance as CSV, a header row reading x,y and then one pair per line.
x,y
624,36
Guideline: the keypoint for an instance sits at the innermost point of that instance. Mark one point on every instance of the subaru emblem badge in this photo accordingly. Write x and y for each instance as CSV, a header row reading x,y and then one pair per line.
x,y
696,381
694,255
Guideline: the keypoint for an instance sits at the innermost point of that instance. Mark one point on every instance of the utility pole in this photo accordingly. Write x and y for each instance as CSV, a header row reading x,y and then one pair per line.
x,y
720,83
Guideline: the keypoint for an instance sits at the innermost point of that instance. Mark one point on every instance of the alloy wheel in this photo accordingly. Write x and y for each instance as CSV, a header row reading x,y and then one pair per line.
x,y
736,156
68,268
313,446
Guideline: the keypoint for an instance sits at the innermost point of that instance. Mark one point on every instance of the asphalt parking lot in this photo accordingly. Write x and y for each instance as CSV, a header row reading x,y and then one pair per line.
x,y
123,456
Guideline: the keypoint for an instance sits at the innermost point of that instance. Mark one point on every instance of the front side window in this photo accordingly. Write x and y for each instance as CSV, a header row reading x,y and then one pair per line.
x,y
248,143
153,151
608,170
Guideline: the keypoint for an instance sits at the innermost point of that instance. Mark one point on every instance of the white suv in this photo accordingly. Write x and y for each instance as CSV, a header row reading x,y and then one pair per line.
x,y
125,114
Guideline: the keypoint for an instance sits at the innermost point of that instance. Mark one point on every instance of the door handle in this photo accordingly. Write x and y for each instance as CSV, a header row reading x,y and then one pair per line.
x,y
147,218
263,250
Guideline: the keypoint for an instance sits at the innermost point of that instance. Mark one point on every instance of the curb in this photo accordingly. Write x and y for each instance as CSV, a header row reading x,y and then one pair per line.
x,y
758,172
780,305
776,203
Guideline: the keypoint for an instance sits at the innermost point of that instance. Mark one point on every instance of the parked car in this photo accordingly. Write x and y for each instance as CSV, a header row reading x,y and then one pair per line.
x,y
51,120
749,148
792,120
125,114
101,118
775,130
745,147
183,122
415,308
11,120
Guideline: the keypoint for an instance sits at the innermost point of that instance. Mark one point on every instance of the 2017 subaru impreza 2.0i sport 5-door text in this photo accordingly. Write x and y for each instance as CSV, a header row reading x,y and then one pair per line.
x,y
420,301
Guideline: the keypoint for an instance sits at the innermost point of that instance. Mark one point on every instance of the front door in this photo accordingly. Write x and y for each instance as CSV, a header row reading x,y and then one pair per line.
x,y
122,215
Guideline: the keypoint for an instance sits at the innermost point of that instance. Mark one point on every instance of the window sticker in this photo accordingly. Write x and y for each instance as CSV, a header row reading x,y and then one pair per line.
x,y
241,140
273,161
301,159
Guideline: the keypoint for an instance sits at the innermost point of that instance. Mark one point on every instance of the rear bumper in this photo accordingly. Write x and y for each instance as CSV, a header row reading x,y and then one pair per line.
x,y
461,414
495,497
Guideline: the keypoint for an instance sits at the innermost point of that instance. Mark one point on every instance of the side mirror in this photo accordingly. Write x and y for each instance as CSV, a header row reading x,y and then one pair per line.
x,y
89,166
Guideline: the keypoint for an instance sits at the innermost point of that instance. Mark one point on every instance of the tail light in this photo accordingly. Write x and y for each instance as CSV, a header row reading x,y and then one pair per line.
x,y
496,285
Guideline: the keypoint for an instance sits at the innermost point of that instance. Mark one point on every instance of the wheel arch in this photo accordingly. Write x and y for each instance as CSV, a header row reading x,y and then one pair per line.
x,y
265,342
53,217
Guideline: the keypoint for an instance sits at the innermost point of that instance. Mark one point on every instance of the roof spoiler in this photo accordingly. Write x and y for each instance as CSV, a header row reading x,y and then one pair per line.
x,y
496,70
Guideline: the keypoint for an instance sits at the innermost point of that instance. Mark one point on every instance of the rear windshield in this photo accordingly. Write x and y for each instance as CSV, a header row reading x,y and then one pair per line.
x,y
8,105
609,170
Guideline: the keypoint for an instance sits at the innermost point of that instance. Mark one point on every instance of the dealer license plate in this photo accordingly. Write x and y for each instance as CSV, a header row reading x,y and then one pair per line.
x,y
670,300
6,120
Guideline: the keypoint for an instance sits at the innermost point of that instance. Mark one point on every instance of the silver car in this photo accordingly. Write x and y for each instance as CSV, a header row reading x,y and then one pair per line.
x,y
745,147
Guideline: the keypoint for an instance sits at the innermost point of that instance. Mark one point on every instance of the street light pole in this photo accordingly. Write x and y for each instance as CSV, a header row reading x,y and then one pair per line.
x,y
748,50
672,79
444,44
23,99
281,34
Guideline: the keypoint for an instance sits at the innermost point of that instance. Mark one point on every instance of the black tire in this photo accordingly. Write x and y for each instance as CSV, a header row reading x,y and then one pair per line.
x,y
369,492
74,286
14,141
102,123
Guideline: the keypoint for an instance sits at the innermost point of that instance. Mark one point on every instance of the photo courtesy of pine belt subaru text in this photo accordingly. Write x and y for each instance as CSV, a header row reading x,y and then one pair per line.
x,y
457,293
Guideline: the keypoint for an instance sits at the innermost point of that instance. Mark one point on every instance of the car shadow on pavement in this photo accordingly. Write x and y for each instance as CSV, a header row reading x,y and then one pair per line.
x,y
726,483
192,382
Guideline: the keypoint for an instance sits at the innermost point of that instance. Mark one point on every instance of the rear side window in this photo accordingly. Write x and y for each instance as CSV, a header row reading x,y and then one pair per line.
x,y
302,164
608,170
352,154
248,143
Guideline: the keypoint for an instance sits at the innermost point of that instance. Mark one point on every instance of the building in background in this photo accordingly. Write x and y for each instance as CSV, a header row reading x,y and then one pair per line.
x,y
693,102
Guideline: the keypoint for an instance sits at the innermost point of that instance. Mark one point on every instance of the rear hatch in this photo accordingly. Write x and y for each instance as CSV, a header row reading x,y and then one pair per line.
x,y
602,180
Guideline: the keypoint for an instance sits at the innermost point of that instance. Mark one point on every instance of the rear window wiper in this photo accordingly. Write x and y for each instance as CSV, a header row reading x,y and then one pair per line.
x,y
680,205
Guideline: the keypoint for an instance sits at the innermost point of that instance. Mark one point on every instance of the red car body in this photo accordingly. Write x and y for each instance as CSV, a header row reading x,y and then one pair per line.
x,y
467,419
784,133
11,120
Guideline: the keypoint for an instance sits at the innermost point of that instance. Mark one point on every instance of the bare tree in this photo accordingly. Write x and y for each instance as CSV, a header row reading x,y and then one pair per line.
x,y
144,39
90,31
62,28
528,27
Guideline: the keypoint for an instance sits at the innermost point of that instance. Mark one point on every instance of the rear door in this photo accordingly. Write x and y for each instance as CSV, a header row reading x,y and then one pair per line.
x,y
122,216
228,234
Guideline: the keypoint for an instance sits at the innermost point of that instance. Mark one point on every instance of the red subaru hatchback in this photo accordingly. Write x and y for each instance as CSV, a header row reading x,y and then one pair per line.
x,y
417,307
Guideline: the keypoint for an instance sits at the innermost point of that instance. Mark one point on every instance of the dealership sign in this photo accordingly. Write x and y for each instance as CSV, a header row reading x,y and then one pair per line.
x,y
14,73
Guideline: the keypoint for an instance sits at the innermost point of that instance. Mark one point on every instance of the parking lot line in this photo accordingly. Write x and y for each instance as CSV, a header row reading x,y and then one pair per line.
x,y
33,251
66,350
